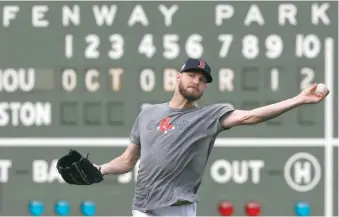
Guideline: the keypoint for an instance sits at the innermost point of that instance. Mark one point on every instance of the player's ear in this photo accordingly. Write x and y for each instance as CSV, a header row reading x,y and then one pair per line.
x,y
178,77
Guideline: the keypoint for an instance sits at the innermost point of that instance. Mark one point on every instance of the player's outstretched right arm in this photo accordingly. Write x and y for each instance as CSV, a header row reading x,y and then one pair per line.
x,y
124,163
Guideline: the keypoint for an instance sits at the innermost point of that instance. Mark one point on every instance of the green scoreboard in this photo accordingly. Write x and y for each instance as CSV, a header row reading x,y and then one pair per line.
x,y
75,74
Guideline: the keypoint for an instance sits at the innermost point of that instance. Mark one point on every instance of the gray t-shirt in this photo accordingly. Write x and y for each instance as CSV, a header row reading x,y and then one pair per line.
x,y
175,146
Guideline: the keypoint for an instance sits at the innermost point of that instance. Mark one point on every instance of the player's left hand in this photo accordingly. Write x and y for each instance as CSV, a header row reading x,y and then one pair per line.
x,y
310,95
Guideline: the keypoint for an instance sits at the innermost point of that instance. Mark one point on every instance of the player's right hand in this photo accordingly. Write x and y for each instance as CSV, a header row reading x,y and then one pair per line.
x,y
98,167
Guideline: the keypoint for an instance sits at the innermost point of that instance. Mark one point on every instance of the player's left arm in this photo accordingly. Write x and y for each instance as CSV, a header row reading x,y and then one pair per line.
x,y
258,115
261,114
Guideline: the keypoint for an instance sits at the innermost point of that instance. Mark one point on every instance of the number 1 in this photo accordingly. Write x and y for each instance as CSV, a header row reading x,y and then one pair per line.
x,y
69,46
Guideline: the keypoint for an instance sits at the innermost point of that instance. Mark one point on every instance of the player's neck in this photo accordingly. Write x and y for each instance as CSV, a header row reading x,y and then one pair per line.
x,y
179,102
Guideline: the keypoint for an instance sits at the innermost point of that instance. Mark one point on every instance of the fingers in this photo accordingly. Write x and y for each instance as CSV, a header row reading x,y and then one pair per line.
x,y
321,95
313,87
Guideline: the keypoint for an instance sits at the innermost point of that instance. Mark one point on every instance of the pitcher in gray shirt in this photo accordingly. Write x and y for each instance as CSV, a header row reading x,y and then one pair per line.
x,y
174,140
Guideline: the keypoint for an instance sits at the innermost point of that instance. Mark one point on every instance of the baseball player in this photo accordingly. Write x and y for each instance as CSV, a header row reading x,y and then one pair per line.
x,y
173,141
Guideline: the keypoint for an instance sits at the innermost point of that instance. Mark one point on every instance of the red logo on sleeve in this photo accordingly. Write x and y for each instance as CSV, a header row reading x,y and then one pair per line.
x,y
164,125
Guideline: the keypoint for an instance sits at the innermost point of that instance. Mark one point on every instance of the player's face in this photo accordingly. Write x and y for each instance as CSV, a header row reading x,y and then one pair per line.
x,y
191,85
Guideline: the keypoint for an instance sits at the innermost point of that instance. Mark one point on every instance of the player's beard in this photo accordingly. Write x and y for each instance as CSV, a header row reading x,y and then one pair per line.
x,y
191,97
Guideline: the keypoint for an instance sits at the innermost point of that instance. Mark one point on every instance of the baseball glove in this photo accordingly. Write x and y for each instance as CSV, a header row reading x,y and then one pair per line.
x,y
77,170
